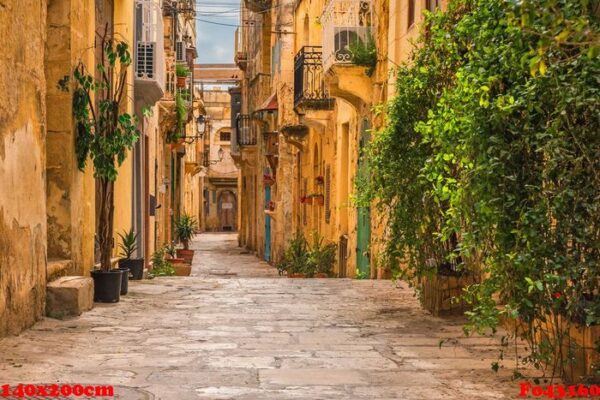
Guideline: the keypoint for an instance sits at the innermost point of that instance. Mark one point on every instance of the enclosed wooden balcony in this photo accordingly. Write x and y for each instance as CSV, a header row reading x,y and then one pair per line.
x,y
246,136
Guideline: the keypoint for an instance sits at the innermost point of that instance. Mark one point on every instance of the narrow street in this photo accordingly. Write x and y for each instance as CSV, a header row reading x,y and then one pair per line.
x,y
236,330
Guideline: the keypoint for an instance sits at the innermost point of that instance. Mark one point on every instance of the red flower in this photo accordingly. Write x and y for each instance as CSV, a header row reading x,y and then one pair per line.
x,y
557,295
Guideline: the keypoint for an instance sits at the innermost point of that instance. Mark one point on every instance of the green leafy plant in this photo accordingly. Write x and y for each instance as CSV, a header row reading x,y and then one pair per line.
x,y
182,70
361,274
295,258
185,229
321,255
489,157
128,244
171,250
160,266
364,53
104,132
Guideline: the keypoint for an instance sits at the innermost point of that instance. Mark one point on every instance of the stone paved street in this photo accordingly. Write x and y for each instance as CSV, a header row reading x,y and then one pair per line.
x,y
236,330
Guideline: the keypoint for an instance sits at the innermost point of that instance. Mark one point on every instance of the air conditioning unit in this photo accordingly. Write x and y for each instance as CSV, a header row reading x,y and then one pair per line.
x,y
180,50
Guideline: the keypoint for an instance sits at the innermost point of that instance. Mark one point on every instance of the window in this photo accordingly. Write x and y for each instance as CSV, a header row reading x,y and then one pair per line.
x,y
432,5
411,13
225,136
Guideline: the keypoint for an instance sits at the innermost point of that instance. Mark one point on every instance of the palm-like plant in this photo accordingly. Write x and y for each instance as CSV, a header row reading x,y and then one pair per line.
x,y
185,229
128,244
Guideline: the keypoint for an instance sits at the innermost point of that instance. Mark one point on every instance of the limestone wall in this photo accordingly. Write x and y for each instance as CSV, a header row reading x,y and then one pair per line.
x,y
22,160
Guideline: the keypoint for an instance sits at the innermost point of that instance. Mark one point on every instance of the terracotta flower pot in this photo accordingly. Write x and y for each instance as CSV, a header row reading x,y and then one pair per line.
x,y
321,275
181,81
296,275
319,200
182,269
187,255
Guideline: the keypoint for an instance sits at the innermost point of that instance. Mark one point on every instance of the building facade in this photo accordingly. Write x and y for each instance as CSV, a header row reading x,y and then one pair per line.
x,y
48,212
306,115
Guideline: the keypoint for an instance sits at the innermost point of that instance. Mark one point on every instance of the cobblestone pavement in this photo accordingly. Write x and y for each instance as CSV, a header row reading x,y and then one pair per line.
x,y
236,330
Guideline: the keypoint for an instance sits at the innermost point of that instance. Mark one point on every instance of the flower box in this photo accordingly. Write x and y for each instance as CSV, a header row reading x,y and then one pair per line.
x,y
318,199
306,200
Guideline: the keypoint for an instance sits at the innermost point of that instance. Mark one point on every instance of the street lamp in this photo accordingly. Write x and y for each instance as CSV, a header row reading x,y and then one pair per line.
x,y
201,124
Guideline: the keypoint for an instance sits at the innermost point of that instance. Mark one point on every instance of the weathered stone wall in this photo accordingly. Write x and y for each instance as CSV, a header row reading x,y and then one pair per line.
x,y
22,161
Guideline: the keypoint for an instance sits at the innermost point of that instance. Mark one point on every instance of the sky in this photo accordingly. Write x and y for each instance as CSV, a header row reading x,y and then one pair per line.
x,y
215,40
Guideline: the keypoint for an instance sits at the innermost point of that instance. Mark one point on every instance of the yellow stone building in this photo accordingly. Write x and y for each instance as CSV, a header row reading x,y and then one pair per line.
x,y
306,115
47,206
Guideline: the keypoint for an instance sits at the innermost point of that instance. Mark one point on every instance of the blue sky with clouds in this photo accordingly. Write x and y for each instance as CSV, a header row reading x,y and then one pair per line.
x,y
216,42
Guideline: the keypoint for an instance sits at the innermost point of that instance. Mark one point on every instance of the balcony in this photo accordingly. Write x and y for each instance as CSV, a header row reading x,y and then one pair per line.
x,y
345,23
310,91
149,52
257,5
246,136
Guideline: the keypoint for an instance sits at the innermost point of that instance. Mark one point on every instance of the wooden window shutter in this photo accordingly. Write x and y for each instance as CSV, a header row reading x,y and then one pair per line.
x,y
327,194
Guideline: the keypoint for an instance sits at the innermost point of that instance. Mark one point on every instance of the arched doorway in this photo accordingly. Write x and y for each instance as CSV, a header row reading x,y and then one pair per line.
x,y
227,205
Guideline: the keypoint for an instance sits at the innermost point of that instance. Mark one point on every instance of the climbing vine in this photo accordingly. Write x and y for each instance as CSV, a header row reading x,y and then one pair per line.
x,y
491,157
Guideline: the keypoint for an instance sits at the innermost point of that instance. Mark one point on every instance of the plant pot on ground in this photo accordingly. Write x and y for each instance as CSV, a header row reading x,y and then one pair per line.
x,y
185,229
105,135
128,247
107,285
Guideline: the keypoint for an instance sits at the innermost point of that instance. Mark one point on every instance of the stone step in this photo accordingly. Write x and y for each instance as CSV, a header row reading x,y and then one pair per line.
x,y
69,296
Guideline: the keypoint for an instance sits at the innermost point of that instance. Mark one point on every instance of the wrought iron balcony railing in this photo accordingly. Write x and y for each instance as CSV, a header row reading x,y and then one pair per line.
x,y
345,23
246,136
309,86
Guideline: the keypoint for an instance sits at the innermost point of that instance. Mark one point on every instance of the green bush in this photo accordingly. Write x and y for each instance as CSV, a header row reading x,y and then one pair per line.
x,y
364,53
160,266
185,228
490,155
300,257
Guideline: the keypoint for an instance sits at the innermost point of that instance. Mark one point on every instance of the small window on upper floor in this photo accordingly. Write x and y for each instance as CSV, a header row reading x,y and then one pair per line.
x,y
411,13
225,136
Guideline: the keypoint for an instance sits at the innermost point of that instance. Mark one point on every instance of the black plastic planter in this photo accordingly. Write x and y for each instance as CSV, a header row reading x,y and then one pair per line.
x,y
124,280
135,265
107,285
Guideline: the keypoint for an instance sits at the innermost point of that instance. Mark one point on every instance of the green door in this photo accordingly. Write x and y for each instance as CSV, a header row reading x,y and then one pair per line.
x,y
363,235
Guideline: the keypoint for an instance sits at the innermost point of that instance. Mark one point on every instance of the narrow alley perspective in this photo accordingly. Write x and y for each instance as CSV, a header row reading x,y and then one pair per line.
x,y
299,199
236,330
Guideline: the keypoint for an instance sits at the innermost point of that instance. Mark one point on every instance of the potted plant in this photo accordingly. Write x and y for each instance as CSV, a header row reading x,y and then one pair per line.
x,y
320,180
321,256
185,229
128,247
317,199
270,206
268,180
182,72
180,266
104,135
160,266
306,200
295,259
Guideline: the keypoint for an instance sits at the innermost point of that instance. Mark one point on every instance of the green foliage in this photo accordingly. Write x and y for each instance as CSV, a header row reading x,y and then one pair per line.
x,y
104,132
182,70
300,257
321,255
364,53
361,274
128,244
171,250
491,154
185,227
160,266
295,258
